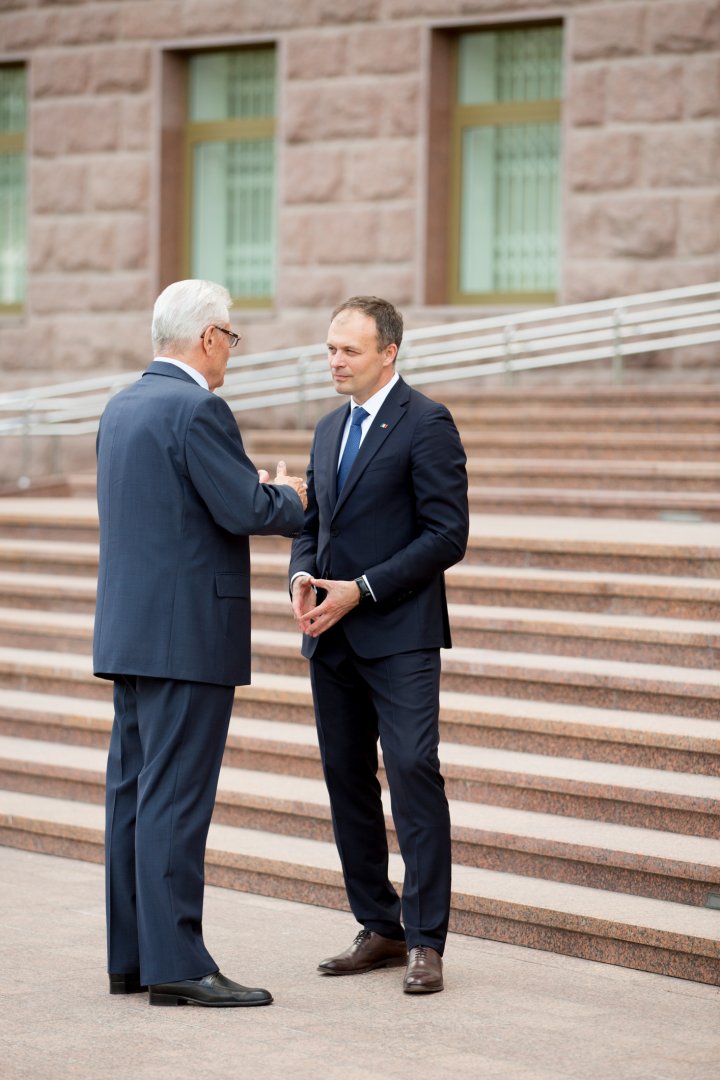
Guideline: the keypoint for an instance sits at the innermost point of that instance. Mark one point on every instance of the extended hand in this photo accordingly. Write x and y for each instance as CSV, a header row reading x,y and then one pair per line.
x,y
342,596
295,482
304,598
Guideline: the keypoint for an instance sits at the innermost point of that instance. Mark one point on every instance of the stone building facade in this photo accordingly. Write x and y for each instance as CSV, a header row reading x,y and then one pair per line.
x,y
362,201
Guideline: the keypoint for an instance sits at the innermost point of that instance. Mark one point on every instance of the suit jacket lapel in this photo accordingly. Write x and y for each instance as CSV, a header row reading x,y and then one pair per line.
x,y
392,410
326,457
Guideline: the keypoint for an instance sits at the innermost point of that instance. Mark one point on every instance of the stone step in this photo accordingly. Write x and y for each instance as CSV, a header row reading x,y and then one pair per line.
x,y
682,643
634,418
560,395
60,593
674,939
579,502
650,798
269,445
62,575
642,639
607,732
580,680
65,557
49,518
642,861
646,639
679,548
576,590
657,476
669,743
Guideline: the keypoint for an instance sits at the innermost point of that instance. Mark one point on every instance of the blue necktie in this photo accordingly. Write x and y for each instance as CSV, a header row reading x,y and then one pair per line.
x,y
351,446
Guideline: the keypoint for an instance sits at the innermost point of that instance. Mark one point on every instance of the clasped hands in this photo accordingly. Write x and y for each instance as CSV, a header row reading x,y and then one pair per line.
x,y
295,482
313,618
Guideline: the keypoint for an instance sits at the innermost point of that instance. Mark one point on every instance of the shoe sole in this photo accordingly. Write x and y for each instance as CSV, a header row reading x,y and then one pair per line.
x,y
400,962
422,989
173,999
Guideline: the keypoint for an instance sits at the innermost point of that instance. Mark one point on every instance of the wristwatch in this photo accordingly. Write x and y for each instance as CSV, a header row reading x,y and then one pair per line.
x,y
364,588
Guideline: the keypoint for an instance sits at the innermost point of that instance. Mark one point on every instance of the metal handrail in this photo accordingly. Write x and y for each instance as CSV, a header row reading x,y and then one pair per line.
x,y
500,344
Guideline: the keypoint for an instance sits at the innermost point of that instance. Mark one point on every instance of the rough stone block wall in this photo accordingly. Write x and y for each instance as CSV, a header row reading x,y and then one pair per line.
x,y
641,158
642,147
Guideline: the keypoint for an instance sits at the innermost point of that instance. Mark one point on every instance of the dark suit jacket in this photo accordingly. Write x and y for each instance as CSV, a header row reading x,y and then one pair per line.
x,y
178,498
401,519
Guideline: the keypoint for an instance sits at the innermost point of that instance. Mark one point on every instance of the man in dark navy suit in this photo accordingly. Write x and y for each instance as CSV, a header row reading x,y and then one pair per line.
x,y
387,514
177,498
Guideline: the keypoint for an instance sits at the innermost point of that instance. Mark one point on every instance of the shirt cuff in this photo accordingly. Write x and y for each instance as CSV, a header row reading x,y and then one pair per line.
x,y
364,577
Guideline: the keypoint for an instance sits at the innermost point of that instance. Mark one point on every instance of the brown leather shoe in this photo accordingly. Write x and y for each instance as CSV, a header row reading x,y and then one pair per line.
x,y
424,973
367,952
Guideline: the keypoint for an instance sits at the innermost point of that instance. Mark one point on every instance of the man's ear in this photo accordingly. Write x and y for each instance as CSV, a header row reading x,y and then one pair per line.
x,y
391,352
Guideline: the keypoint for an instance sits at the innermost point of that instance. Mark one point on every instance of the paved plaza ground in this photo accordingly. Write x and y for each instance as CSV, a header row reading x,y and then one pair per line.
x,y
507,1012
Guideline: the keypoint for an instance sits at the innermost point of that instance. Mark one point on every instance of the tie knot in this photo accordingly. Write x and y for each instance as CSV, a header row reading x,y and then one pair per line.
x,y
358,415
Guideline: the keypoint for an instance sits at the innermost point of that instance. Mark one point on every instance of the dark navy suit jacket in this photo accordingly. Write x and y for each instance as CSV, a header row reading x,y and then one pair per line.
x,y
178,498
401,519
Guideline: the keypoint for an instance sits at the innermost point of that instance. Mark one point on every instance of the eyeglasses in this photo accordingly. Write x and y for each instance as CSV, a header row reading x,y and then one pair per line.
x,y
232,336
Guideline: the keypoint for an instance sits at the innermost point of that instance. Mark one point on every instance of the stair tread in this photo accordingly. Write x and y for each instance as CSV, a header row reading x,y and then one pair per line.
x,y
591,495
519,529
30,580
82,549
69,662
514,527
537,620
586,620
458,656
664,918
480,704
487,759
482,817
598,580
577,770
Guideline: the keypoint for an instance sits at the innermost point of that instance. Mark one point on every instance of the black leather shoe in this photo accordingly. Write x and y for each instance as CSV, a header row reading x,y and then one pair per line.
x,y
214,990
126,984
367,952
424,973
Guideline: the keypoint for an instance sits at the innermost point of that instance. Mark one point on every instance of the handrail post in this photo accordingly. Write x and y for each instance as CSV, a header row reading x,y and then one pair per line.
x,y
25,450
509,331
303,363
617,364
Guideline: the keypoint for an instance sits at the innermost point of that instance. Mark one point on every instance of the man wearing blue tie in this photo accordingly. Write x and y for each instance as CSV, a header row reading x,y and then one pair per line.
x,y
387,514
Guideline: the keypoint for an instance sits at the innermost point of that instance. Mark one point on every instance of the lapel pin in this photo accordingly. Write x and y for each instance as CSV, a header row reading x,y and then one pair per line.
x,y
383,426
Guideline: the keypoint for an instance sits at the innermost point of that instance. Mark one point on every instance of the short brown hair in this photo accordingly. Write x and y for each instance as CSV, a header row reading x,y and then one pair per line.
x,y
388,320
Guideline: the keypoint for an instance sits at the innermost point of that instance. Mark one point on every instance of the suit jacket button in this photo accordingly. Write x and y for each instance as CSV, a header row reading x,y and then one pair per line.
x,y
334,532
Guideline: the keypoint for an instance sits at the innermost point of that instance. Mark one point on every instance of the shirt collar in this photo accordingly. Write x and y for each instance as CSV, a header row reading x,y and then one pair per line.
x,y
373,404
191,371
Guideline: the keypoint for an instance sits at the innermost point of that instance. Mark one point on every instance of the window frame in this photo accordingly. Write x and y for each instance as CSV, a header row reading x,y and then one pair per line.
x,y
15,142
197,132
495,114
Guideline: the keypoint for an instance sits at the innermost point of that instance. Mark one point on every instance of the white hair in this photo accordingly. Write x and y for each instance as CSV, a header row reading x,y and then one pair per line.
x,y
184,309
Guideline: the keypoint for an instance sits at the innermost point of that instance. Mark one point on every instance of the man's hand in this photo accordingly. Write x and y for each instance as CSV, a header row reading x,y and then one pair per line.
x,y
295,482
304,598
342,596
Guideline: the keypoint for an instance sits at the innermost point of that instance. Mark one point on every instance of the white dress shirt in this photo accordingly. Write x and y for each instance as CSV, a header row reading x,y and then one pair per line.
x,y
191,371
371,406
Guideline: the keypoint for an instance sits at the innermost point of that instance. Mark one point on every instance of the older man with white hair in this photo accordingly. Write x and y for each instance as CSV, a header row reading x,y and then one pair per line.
x,y
177,498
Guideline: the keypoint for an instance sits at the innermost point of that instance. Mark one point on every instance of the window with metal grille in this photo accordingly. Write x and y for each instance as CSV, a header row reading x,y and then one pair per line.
x,y
505,227
230,147
13,228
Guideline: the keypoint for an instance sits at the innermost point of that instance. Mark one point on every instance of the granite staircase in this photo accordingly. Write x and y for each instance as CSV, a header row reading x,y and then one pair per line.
x,y
580,706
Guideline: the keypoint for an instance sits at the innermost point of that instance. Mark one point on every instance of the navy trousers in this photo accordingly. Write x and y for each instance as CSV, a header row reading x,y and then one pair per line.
x,y
165,754
395,699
